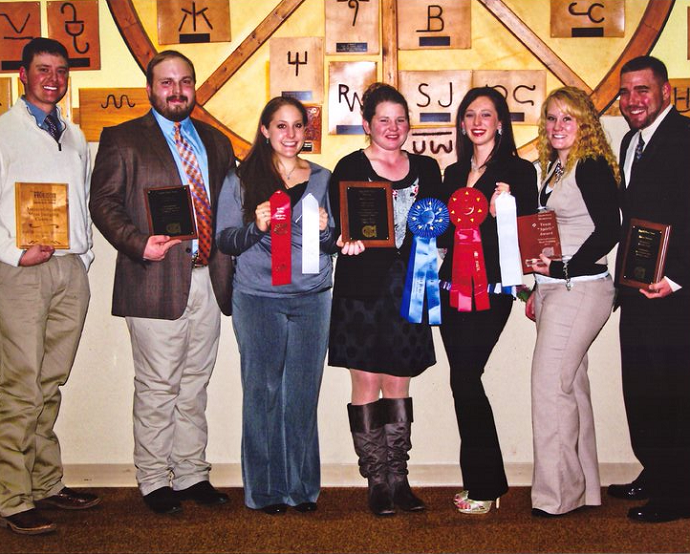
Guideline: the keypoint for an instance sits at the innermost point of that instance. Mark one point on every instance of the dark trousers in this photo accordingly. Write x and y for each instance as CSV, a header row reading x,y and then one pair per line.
x,y
469,338
655,359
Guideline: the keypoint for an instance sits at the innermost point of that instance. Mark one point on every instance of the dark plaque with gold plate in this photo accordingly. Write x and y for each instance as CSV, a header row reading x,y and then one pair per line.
x,y
644,256
42,214
366,213
171,212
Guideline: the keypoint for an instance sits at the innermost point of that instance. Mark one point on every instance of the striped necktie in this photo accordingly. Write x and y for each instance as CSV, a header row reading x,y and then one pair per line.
x,y
639,149
53,126
202,207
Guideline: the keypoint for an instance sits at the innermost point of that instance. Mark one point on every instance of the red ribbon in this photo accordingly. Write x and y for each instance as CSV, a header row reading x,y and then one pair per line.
x,y
281,238
468,208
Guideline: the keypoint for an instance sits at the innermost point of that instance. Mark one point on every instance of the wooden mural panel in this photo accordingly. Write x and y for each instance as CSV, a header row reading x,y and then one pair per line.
x,y
680,95
347,82
434,96
75,25
587,18
19,23
434,24
105,107
352,26
5,94
296,68
523,90
437,142
193,21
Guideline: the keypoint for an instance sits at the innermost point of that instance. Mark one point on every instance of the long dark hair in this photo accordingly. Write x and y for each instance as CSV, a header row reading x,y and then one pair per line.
x,y
258,173
504,142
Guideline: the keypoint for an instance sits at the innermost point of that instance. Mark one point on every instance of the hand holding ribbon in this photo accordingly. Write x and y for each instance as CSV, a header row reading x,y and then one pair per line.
x,y
427,219
468,208
281,238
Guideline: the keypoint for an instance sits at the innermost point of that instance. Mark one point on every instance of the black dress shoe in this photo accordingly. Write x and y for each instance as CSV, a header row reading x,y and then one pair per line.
x,y
29,522
629,491
68,499
274,509
657,512
163,501
203,493
306,507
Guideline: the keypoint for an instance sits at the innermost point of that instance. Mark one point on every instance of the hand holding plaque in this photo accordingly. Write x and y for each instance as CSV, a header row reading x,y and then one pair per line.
x,y
170,212
366,213
538,234
644,256
42,215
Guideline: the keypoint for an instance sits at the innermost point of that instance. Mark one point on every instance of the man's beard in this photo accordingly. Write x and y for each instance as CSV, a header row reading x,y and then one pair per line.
x,y
176,113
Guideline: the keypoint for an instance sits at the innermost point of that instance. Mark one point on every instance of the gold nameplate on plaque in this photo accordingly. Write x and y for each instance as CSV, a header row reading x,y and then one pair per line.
x,y
42,214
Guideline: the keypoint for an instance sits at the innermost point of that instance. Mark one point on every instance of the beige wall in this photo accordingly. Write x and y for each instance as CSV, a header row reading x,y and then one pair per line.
x,y
95,421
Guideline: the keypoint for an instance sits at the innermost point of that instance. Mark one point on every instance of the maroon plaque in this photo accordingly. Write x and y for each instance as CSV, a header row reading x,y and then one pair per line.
x,y
366,213
538,234
644,256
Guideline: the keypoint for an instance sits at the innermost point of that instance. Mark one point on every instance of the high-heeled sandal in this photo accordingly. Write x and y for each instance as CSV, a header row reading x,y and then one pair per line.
x,y
466,505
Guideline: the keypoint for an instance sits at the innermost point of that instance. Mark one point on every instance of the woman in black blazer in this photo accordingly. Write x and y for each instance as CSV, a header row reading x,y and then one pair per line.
x,y
488,162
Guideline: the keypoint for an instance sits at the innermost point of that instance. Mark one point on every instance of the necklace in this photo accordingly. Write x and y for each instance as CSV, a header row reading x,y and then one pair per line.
x,y
286,173
558,171
475,167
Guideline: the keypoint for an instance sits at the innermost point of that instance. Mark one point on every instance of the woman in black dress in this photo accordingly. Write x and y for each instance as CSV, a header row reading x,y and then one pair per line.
x,y
488,162
368,334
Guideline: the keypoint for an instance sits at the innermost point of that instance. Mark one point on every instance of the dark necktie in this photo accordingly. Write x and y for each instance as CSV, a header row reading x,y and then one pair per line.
x,y
639,149
53,126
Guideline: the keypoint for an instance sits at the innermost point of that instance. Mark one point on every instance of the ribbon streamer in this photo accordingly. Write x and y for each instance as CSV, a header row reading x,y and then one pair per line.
x,y
508,249
468,208
427,219
310,234
281,238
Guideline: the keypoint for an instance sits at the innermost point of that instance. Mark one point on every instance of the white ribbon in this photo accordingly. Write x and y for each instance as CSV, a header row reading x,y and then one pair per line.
x,y
310,234
508,249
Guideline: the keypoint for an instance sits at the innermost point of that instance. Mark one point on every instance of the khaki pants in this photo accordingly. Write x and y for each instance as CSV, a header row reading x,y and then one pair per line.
x,y
42,312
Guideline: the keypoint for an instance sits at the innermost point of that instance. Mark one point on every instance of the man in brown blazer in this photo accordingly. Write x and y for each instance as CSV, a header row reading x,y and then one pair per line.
x,y
170,291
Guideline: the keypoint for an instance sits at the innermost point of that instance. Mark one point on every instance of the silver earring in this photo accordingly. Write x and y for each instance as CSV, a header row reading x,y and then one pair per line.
x,y
463,131
267,140
500,131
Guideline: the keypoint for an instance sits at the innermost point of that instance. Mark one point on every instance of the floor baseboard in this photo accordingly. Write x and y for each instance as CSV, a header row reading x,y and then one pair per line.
x,y
332,475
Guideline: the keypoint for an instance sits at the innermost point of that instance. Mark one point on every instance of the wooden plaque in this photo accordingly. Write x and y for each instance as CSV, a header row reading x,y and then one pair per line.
x,y
523,90
644,256
104,107
434,24
587,18
75,25
680,95
538,234
42,214
20,22
198,21
434,96
296,68
5,94
366,213
170,212
346,84
312,136
437,142
352,26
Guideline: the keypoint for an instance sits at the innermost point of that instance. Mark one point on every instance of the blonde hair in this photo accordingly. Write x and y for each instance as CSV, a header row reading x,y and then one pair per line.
x,y
590,141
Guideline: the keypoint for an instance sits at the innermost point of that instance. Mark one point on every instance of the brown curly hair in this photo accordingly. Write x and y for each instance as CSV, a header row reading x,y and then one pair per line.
x,y
591,140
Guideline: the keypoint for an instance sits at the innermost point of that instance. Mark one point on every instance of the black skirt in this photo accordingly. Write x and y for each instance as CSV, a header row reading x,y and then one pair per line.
x,y
371,335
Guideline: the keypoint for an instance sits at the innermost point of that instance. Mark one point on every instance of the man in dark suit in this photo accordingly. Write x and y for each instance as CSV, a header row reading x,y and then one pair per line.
x,y
170,291
654,322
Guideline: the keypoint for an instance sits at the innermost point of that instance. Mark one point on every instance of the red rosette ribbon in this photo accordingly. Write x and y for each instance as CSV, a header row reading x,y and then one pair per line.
x,y
281,238
468,207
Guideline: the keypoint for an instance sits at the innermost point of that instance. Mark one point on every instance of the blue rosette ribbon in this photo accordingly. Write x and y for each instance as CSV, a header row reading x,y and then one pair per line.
x,y
427,219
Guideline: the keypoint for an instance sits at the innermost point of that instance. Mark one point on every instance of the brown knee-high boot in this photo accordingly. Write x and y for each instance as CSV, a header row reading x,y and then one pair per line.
x,y
369,437
397,418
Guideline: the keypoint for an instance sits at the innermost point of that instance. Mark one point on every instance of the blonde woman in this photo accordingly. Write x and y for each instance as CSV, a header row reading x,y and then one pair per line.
x,y
572,300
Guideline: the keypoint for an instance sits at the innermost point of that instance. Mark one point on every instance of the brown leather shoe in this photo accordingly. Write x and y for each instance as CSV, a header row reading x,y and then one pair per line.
x,y
68,499
29,522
